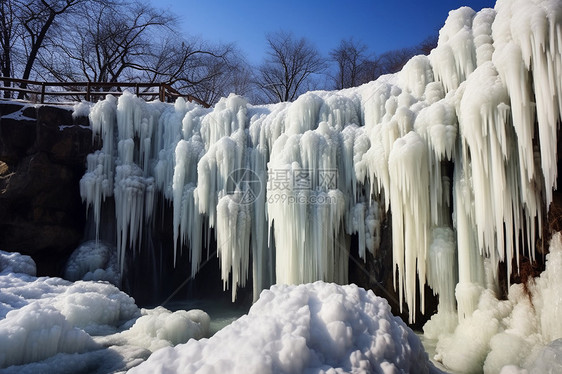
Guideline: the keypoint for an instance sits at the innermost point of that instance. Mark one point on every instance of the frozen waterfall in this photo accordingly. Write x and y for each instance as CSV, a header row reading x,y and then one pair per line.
x,y
284,186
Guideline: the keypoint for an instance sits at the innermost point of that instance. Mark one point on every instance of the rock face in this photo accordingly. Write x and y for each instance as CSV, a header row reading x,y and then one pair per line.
x,y
42,158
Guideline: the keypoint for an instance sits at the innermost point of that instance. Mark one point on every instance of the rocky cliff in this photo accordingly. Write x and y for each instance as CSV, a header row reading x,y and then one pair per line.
x,y
42,158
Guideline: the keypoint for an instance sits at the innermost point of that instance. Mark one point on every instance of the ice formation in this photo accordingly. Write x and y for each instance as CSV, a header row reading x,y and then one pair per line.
x,y
93,260
515,332
53,325
460,145
316,327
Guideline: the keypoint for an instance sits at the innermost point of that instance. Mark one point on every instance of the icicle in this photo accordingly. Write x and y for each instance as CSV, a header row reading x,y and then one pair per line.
x,y
409,188
442,278
233,241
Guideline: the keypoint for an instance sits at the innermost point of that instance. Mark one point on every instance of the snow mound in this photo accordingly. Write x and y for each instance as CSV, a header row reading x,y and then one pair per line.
x,y
315,327
36,332
159,328
93,260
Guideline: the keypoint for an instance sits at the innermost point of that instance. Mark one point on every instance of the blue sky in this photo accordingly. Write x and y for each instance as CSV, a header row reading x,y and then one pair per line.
x,y
382,25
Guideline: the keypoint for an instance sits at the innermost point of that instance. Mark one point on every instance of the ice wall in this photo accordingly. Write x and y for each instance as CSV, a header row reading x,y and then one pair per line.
x,y
460,145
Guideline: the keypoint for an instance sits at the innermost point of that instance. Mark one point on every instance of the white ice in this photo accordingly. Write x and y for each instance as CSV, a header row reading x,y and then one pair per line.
x,y
513,332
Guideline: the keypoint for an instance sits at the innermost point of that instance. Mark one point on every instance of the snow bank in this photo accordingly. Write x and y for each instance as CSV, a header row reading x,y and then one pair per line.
x,y
318,327
46,323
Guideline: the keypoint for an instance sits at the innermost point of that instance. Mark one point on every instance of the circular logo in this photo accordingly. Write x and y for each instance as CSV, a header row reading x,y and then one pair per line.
x,y
244,185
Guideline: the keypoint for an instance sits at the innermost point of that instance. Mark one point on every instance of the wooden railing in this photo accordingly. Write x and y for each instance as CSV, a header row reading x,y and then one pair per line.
x,y
40,92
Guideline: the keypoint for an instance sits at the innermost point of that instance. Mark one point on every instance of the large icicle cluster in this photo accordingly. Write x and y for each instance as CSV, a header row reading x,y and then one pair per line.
x,y
460,145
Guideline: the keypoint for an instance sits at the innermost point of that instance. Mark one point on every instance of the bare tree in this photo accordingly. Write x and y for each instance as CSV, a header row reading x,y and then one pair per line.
x,y
128,42
428,44
394,61
37,18
289,67
9,28
219,74
351,60
104,44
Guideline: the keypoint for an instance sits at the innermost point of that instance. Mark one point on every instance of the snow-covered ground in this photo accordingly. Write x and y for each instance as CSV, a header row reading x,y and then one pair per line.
x,y
50,325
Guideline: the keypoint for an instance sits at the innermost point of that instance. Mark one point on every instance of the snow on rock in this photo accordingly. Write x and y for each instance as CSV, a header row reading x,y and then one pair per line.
x,y
159,327
93,260
47,319
13,262
82,109
318,327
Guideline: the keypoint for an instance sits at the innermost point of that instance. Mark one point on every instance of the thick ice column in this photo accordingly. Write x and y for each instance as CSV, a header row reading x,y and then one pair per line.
x,y
409,196
262,257
170,130
187,156
437,124
442,277
306,207
213,171
234,223
132,192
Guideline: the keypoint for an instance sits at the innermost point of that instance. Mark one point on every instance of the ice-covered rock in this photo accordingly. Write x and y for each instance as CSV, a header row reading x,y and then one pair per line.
x,y
93,260
14,262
